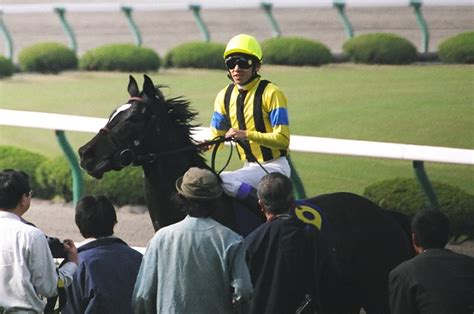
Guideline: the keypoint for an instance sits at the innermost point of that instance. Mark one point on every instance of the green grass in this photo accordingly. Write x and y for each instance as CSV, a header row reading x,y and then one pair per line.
x,y
423,105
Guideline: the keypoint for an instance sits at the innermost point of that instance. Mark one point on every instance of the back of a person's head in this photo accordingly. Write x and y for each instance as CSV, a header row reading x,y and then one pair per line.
x,y
13,185
431,229
95,217
275,191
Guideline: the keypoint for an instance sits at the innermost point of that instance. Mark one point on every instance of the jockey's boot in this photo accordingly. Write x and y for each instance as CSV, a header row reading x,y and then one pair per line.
x,y
247,195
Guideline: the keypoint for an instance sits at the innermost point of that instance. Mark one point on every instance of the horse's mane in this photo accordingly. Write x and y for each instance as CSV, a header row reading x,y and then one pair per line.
x,y
181,119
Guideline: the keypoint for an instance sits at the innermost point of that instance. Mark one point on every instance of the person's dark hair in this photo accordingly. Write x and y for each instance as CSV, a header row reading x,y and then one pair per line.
x,y
195,207
275,191
95,217
13,185
431,229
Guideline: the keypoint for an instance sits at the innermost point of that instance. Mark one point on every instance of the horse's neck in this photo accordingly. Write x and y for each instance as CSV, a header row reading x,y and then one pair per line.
x,y
160,188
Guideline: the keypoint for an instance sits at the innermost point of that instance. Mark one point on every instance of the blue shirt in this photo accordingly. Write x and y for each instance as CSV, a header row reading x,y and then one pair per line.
x,y
104,279
194,266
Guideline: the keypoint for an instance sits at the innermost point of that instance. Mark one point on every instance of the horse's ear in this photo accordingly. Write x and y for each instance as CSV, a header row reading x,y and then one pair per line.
x,y
148,87
132,87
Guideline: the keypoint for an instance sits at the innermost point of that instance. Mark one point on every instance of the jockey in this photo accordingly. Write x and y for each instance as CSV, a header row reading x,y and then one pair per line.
x,y
253,112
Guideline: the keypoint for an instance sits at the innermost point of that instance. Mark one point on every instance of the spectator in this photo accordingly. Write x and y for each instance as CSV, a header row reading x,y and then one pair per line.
x,y
253,111
281,252
28,273
196,265
437,280
108,267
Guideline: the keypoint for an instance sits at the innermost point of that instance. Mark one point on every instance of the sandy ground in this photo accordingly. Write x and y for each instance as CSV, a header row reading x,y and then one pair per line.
x,y
56,219
134,225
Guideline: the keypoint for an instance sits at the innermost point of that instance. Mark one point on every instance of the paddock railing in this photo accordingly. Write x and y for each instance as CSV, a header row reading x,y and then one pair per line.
x,y
418,154
60,9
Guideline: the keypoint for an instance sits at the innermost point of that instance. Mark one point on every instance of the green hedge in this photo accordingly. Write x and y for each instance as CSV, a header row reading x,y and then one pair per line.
x,y
196,55
51,177
120,57
295,51
47,57
122,188
6,67
457,49
22,159
380,48
405,195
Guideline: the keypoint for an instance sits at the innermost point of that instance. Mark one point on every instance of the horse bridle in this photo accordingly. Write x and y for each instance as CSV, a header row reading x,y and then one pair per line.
x,y
130,155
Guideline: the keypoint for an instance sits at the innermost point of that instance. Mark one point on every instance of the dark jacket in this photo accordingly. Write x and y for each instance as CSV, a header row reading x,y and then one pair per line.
x,y
435,281
105,278
281,257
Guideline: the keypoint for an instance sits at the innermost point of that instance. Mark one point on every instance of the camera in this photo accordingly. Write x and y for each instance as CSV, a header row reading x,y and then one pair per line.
x,y
56,247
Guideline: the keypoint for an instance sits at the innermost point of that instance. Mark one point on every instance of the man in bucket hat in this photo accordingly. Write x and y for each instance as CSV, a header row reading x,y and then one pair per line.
x,y
196,265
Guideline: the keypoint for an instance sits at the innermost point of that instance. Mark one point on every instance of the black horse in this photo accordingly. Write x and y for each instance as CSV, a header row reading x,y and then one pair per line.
x,y
156,133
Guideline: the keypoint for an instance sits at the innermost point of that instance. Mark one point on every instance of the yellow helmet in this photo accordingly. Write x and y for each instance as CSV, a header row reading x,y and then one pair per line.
x,y
244,44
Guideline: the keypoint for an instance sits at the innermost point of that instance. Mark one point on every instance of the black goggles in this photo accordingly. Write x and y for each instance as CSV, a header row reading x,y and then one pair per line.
x,y
242,62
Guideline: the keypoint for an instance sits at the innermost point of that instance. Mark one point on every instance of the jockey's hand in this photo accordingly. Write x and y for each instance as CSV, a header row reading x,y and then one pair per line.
x,y
236,134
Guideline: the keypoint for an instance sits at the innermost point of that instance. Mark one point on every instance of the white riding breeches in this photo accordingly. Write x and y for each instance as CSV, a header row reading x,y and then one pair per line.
x,y
251,173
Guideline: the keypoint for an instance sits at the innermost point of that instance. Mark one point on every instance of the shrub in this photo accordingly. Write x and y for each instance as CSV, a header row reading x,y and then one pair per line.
x,y
380,48
295,51
47,58
29,162
405,195
457,49
196,55
55,174
6,67
120,57
123,187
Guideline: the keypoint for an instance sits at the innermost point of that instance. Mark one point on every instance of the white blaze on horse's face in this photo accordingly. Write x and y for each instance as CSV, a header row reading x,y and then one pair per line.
x,y
119,110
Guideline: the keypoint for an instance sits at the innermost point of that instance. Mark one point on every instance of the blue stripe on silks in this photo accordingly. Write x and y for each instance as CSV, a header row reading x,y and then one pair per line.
x,y
218,121
243,192
279,116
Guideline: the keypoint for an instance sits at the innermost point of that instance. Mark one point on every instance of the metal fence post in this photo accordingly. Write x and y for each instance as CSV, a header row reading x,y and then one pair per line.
x,y
61,12
127,11
425,34
341,10
77,180
300,192
6,38
428,190
196,8
267,8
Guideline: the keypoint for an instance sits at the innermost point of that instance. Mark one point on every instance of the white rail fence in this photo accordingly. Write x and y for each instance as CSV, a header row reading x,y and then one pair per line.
x,y
298,143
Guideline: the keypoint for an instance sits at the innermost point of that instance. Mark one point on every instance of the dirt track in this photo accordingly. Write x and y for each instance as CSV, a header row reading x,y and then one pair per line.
x,y
163,30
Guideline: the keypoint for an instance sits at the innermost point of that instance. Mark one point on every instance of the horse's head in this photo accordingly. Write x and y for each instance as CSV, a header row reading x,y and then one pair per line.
x,y
125,139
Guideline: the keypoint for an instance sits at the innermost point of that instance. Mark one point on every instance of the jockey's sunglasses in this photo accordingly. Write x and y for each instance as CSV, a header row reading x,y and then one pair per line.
x,y
242,62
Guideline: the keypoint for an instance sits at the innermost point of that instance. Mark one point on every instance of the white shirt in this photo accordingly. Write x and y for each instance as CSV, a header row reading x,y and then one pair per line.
x,y
27,269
